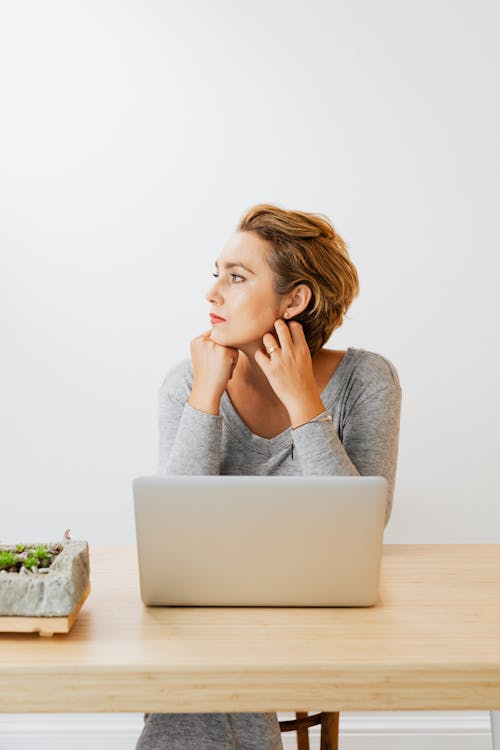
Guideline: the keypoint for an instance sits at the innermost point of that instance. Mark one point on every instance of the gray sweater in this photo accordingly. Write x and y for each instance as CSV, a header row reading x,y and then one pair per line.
x,y
363,397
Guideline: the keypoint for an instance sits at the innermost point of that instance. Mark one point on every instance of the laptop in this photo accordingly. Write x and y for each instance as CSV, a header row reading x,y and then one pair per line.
x,y
266,541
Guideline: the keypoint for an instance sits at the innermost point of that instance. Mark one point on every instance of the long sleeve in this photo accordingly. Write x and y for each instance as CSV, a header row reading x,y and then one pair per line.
x,y
363,398
369,446
189,439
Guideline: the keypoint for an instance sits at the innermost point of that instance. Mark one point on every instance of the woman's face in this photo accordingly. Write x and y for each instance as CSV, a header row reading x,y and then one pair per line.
x,y
242,293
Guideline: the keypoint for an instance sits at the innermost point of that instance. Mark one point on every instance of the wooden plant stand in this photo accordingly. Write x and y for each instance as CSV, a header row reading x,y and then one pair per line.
x,y
45,626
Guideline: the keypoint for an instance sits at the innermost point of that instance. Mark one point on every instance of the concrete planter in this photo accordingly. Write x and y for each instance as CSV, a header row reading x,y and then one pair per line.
x,y
53,594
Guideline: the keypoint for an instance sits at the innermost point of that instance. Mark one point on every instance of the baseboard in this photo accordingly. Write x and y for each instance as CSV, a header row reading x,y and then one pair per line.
x,y
405,730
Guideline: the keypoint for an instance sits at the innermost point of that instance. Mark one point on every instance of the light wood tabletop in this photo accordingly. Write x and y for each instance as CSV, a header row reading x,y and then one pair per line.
x,y
431,642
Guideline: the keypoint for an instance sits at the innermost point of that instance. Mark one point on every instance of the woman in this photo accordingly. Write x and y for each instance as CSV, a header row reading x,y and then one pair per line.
x,y
260,395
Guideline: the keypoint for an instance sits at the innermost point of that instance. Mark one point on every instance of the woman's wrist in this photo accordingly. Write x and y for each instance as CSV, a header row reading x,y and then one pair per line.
x,y
305,412
207,402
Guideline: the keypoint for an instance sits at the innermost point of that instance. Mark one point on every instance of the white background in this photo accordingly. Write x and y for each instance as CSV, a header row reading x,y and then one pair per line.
x,y
133,136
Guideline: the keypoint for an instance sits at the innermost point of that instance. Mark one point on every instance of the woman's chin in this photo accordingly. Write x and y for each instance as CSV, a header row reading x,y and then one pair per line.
x,y
224,340
219,337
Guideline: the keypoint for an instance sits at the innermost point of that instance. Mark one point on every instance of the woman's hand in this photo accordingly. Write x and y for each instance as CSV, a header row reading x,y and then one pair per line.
x,y
213,366
290,372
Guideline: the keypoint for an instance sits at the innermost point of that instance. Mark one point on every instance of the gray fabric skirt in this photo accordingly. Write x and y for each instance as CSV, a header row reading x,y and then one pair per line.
x,y
211,731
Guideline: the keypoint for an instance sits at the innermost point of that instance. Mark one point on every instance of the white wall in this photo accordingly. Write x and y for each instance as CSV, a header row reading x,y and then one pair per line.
x,y
133,135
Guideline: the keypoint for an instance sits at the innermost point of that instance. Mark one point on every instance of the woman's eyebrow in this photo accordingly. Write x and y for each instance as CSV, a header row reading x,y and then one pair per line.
x,y
232,264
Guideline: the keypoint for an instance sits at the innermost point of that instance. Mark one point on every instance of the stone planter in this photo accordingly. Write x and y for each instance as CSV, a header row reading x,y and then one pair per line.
x,y
58,592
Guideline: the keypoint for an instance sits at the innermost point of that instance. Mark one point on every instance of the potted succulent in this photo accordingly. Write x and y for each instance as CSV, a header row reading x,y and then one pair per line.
x,y
43,581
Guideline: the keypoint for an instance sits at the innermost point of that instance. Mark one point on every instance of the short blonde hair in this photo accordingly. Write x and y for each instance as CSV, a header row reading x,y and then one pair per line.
x,y
306,249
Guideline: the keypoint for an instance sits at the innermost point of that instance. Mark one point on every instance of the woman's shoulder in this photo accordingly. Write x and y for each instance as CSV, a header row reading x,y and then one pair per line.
x,y
372,370
178,380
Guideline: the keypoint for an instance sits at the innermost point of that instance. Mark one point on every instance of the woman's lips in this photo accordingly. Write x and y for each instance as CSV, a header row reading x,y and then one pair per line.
x,y
216,319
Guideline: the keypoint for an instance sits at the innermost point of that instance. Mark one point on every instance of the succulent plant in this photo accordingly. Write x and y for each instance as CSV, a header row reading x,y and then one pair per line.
x,y
29,556
41,552
31,562
7,560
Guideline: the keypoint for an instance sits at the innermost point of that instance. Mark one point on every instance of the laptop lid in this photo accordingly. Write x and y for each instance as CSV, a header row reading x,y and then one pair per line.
x,y
286,541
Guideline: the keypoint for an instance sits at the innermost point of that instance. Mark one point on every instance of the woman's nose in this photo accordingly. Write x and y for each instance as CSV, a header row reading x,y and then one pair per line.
x,y
213,294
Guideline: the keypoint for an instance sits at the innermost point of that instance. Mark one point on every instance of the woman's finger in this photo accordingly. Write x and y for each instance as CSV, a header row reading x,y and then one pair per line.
x,y
284,336
204,335
297,333
263,361
268,340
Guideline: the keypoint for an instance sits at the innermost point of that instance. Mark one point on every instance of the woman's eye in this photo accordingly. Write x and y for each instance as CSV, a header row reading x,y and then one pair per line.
x,y
234,276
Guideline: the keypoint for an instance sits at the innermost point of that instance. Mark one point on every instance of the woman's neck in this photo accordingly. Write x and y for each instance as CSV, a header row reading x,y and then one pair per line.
x,y
249,375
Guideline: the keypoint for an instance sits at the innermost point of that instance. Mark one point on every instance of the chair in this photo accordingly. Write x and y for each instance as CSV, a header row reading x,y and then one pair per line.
x,y
329,720
329,738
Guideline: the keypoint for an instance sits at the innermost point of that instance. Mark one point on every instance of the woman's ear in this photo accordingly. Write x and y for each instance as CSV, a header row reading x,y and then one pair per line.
x,y
300,298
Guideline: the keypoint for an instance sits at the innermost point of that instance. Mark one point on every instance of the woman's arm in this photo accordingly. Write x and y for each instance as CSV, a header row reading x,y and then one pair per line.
x,y
189,439
369,446
370,431
189,420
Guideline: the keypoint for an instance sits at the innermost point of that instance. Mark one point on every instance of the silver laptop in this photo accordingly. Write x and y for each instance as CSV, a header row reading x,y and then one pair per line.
x,y
279,541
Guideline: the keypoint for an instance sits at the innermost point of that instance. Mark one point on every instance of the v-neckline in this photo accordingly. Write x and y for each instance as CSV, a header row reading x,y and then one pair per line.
x,y
269,445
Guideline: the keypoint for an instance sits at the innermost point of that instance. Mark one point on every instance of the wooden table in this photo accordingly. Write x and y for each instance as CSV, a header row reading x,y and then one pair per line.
x,y
431,643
